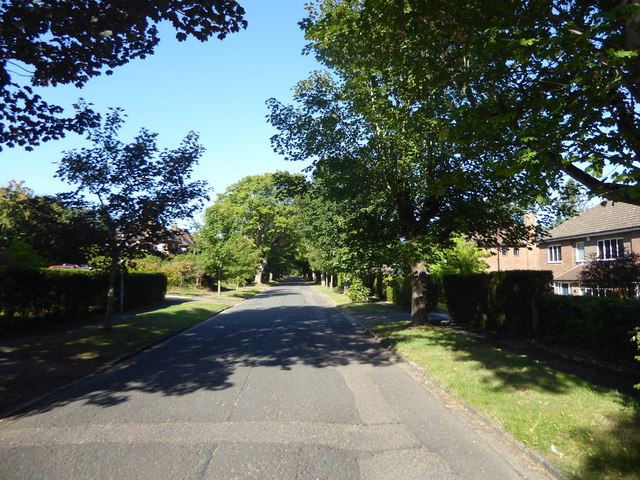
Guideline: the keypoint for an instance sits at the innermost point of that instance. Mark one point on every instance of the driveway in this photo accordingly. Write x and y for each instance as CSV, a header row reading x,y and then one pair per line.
x,y
281,386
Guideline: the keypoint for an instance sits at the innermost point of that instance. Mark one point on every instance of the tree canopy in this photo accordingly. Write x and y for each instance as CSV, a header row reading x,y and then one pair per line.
x,y
51,42
535,86
43,225
388,154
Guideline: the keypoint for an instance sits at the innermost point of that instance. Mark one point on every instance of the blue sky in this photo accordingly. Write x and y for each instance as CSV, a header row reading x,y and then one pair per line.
x,y
217,88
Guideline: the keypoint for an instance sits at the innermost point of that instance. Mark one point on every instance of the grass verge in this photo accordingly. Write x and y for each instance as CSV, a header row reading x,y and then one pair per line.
x,y
583,430
338,298
48,363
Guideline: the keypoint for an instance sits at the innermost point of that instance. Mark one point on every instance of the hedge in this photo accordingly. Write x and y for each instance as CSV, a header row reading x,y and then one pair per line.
x,y
519,304
506,302
599,326
30,296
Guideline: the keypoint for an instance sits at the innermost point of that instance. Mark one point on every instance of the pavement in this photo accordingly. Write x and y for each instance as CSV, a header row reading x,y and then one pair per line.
x,y
282,386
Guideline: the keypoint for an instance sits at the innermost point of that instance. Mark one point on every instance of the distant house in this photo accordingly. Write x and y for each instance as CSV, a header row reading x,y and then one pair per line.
x,y
505,256
603,232
176,241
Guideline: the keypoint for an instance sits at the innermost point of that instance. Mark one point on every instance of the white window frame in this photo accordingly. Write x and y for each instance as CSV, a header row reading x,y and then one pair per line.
x,y
554,254
504,251
610,248
516,251
580,252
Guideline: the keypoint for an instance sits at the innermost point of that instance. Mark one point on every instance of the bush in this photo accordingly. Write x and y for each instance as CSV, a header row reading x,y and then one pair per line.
x,y
30,296
358,292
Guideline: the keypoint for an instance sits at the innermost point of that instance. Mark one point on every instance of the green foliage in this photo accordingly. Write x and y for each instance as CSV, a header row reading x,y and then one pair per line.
x,y
506,302
572,200
532,88
397,290
30,296
595,325
464,257
248,229
23,255
357,291
54,232
46,44
384,154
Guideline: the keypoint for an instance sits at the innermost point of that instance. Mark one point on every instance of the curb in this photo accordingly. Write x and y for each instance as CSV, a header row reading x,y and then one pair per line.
x,y
109,365
534,456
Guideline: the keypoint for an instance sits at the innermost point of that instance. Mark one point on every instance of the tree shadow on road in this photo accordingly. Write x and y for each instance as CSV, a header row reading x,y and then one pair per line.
x,y
207,356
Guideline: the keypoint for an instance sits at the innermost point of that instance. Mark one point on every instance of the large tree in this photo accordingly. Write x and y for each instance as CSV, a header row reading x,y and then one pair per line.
x,y
390,154
536,86
51,42
136,189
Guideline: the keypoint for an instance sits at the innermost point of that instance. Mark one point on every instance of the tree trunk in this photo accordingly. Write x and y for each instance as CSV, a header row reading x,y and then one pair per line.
x,y
260,270
419,314
111,293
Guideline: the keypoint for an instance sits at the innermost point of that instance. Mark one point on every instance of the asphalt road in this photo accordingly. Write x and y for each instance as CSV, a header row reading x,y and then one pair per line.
x,y
280,387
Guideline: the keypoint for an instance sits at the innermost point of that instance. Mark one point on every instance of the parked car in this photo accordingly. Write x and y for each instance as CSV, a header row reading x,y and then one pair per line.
x,y
71,266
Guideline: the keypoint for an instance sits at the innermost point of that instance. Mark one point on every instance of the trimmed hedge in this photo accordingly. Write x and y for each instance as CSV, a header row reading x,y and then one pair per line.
x,y
599,326
506,302
30,296
519,304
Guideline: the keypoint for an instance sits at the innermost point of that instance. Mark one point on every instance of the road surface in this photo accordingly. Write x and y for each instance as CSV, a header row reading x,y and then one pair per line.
x,y
281,387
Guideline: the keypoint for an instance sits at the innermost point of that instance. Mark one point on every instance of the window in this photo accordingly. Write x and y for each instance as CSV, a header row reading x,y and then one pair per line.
x,y
505,251
516,251
565,289
555,254
579,251
609,249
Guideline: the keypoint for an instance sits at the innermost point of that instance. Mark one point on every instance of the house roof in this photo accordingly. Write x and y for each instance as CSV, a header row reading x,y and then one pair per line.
x,y
572,275
609,217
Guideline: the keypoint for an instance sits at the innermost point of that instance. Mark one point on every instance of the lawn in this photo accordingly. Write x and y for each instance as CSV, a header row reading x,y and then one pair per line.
x,y
50,362
583,430
125,337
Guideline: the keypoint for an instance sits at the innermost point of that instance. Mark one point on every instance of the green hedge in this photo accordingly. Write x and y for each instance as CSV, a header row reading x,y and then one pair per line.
x,y
506,302
519,304
599,326
30,296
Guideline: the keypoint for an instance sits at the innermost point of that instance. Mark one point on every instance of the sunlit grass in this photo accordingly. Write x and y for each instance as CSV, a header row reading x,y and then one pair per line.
x,y
585,431
137,331
367,308
338,298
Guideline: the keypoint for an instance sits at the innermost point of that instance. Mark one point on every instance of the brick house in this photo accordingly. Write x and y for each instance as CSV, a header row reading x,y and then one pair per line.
x,y
602,232
510,257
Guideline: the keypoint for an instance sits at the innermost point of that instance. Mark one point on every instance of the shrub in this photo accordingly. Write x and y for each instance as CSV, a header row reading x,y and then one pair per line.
x,y
358,292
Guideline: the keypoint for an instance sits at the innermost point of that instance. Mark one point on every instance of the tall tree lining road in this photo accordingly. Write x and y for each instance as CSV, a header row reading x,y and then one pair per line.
x,y
281,386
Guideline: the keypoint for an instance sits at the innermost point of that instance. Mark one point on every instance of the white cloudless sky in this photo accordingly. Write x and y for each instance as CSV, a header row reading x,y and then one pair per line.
x,y
217,88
